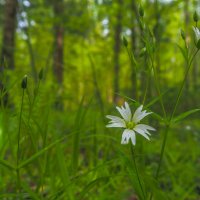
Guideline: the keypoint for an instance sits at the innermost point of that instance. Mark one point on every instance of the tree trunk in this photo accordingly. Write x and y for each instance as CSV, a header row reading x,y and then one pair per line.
x,y
59,40
157,33
187,21
134,47
195,73
8,43
117,47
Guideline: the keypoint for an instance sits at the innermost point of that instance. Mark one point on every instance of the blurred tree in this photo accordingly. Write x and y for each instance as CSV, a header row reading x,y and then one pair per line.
x,y
195,73
187,24
134,46
3,93
25,20
117,46
8,40
8,44
58,40
158,34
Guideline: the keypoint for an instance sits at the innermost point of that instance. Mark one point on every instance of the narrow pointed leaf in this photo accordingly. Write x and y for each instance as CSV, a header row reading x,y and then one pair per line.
x,y
6,164
184,53
38,154
184,115
93,183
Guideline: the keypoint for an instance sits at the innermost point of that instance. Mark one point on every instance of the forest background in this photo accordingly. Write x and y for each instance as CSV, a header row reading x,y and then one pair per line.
x,y
82,58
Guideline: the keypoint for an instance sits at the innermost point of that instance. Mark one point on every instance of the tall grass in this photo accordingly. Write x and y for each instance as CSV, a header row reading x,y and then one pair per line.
x,y
46,153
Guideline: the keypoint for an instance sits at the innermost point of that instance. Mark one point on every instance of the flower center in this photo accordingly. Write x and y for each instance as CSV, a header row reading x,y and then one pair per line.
x,y
130,125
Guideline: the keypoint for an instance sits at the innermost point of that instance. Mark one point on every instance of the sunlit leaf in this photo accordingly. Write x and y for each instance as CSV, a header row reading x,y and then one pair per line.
x,y
184,115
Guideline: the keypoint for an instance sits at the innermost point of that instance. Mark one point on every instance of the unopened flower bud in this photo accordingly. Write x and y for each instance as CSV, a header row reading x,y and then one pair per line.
x,y
197,37
141,11
125,42
183,34
195,17
40,75
143,51
24,82
198,44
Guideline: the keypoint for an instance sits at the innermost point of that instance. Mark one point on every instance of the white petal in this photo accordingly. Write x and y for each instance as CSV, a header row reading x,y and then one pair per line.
x,y
139,114
145,127
115,119
125,111
128,134
124,137
143,115
133,138
116,124
147,132
112,117
141,132
197,33
122,112
128,111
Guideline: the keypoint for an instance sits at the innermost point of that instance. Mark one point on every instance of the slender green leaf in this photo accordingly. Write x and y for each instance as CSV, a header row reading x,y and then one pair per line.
x,y
184,53
31,194
80,116
184,115
39,153
90,185
7,164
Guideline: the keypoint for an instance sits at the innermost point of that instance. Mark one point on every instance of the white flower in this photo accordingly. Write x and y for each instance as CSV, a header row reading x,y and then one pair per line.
x,y
131,123
197,33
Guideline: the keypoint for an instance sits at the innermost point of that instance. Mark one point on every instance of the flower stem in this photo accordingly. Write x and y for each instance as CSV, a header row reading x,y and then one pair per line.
x,y
134,65
182,85
146,89
18,146
136,170
189,64
158,86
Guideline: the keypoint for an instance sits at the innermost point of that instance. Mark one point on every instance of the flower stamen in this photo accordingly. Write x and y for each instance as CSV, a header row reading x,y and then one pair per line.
x,y
130,125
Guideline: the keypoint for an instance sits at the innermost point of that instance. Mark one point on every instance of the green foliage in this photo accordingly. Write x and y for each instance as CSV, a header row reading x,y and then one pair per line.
x,y
55,145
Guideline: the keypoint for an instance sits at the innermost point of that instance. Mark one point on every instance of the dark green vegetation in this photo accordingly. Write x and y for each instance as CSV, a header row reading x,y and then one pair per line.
x,y
53,140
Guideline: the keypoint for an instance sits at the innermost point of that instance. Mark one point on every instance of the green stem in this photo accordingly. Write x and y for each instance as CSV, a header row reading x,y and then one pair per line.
x,y
136,170
189,63
182,85
174,110
162,150
34,98
18,145
134,65
146,89
157,87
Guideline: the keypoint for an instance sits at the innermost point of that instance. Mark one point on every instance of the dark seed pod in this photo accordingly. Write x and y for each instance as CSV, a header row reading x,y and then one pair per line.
x,y
198,44
183,34
40,75
141,11
24,82
195,17
125,42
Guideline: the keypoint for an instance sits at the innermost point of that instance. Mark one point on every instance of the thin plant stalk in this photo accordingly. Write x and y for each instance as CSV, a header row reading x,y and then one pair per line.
x,y
172,115
182,85
134,65
18,145
174,110
136,170
146,89
157,86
